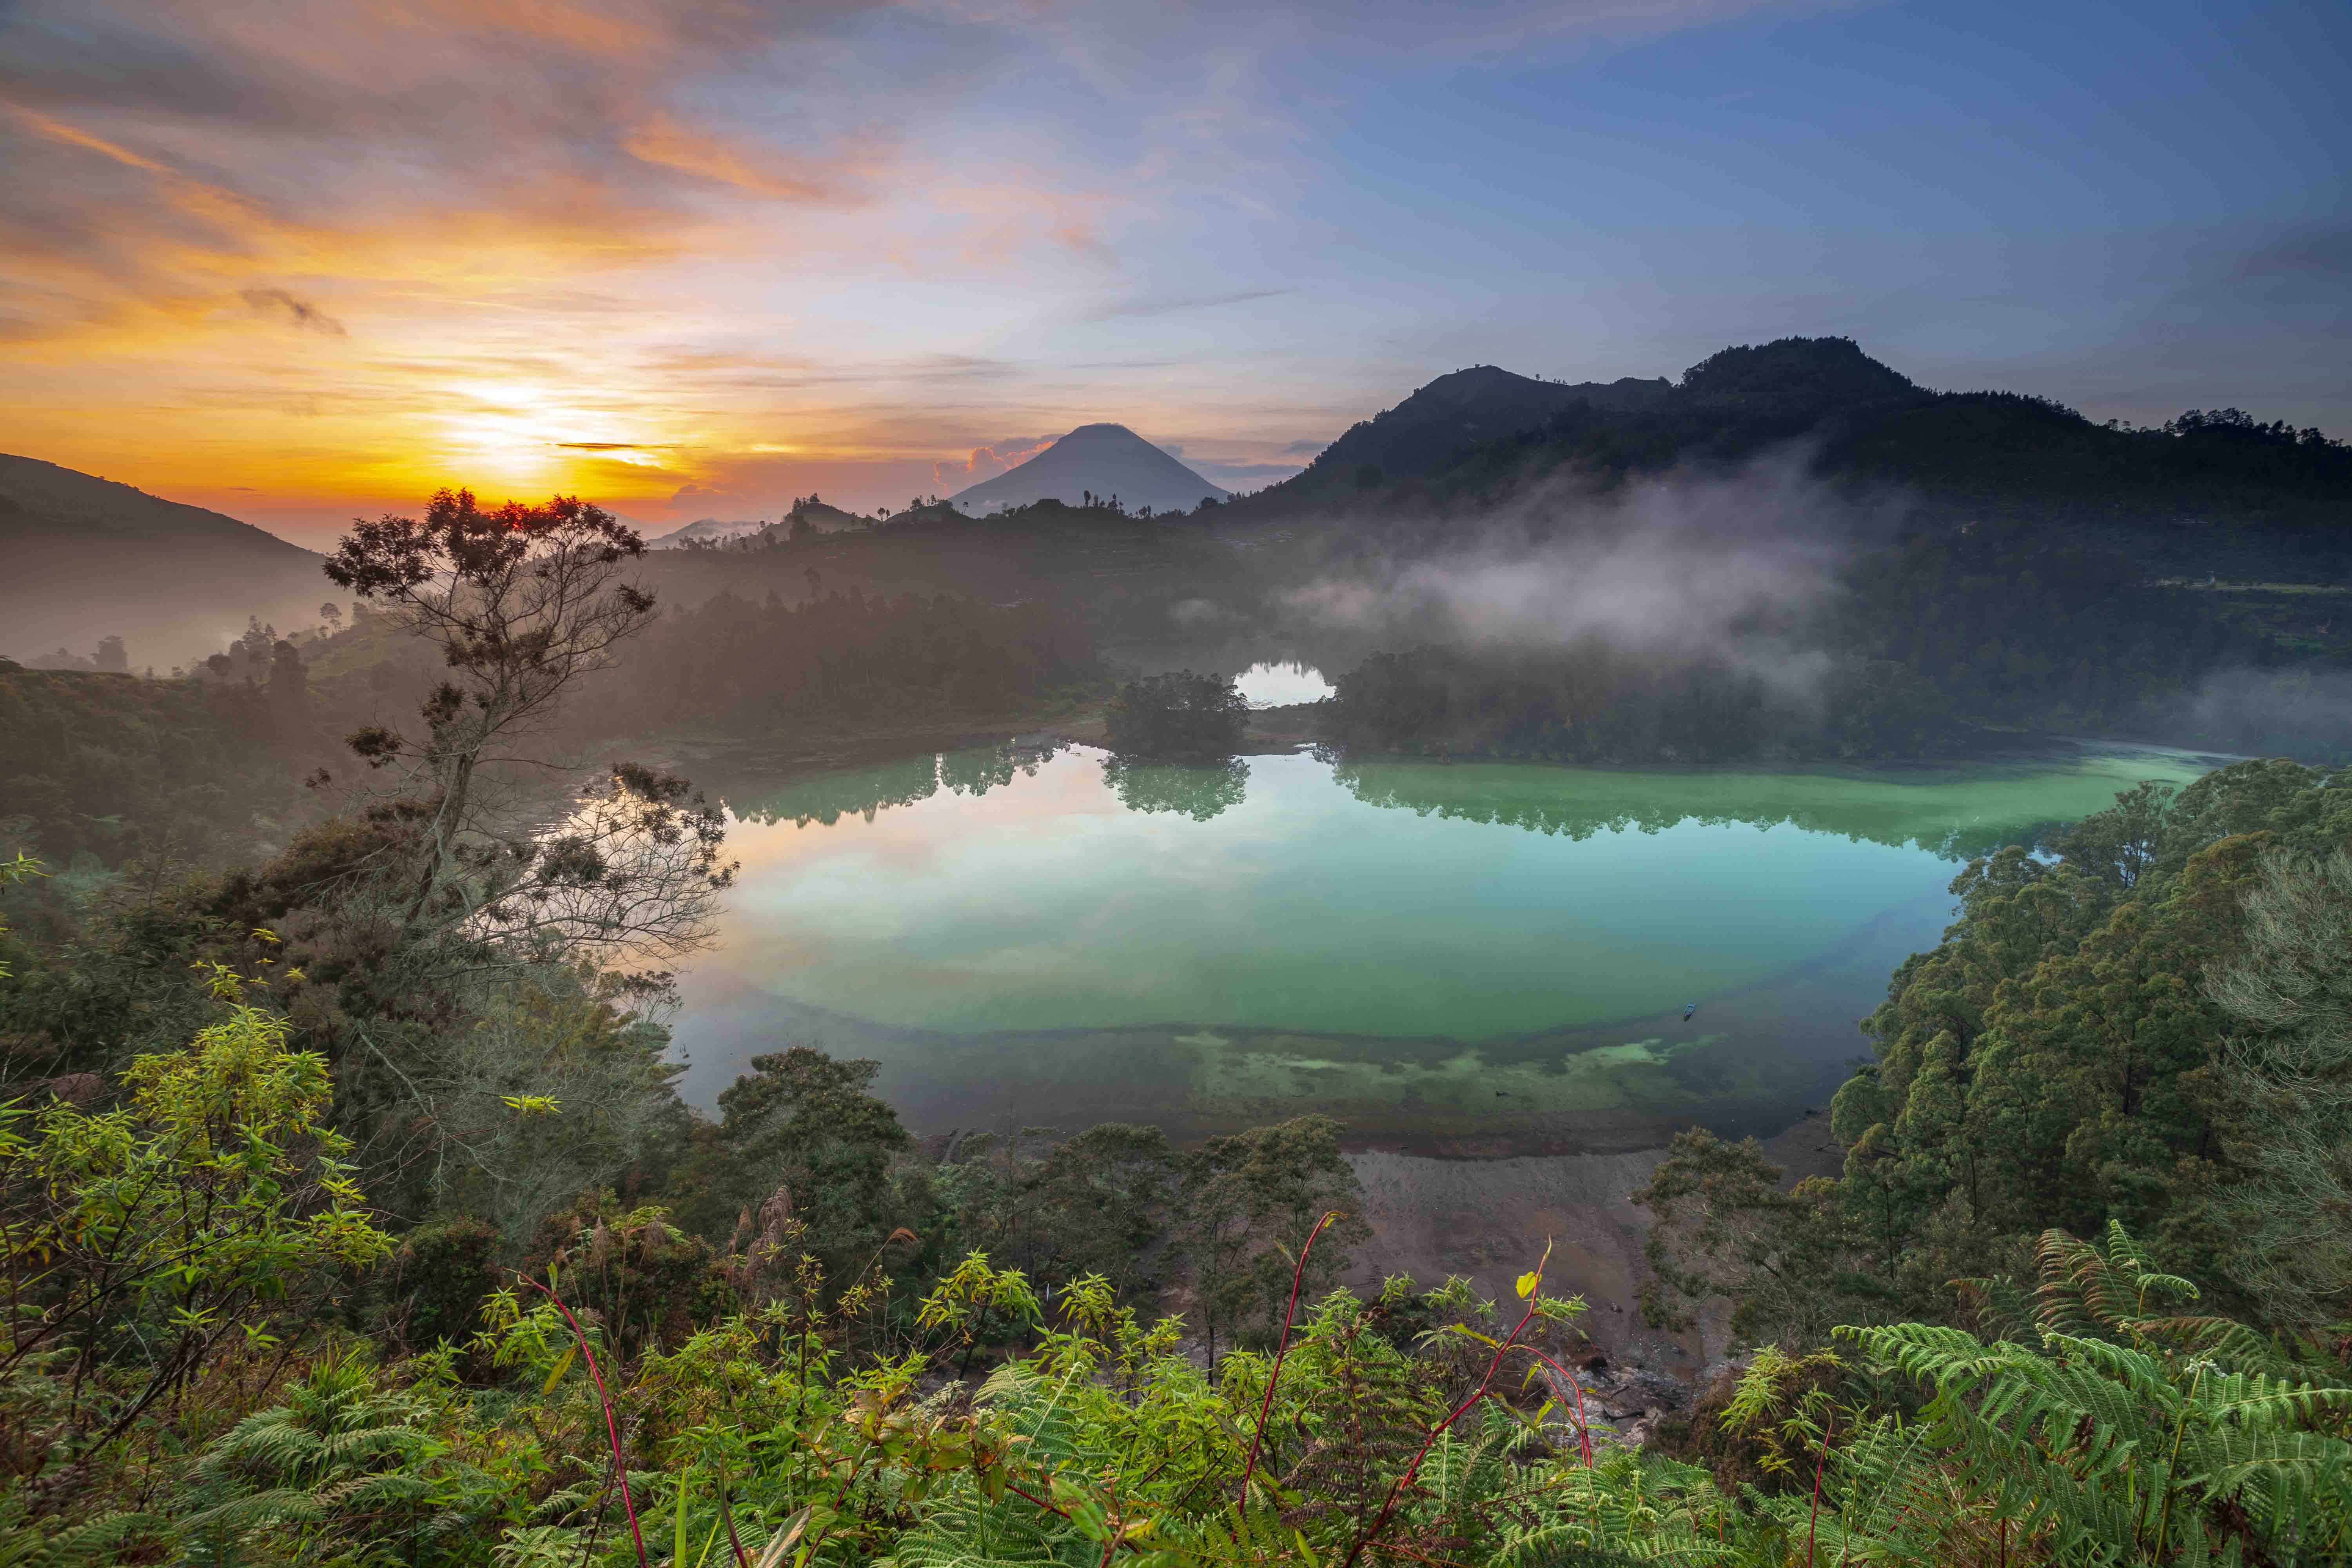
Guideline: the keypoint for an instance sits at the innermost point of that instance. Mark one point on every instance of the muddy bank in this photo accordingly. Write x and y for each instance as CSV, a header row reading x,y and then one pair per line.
x,y
1488,1220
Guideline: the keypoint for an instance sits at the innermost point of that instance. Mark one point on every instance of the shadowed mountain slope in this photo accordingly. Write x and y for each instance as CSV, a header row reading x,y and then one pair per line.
x,y
1429,430
86,558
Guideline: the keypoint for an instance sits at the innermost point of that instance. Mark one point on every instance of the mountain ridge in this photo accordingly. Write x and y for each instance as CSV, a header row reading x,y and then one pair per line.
x,y
89,557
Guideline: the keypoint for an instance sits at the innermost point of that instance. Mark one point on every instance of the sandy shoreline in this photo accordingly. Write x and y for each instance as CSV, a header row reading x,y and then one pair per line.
x,y
1488,1220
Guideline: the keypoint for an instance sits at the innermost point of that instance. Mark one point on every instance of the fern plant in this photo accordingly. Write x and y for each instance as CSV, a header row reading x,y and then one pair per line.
x,y
340,1461
2129,1433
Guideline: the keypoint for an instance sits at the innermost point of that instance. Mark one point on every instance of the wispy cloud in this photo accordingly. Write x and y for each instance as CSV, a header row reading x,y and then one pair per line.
x,y
297,312
987,462
1166,304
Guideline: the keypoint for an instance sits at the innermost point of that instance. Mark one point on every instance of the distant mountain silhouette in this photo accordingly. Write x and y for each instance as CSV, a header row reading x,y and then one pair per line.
x,y
88,558
1105,460
703,528
1454,412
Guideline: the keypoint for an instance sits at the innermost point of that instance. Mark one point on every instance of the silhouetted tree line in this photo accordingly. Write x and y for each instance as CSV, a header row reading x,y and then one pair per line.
x,y
841,658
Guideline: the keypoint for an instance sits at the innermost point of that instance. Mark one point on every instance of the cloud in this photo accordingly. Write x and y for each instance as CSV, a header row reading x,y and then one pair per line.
x,y
987,462
1243,476
1164,304
1304,449
149,148
302,313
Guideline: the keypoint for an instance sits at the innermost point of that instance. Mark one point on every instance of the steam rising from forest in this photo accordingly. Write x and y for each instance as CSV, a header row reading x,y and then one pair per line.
x,y
1737,567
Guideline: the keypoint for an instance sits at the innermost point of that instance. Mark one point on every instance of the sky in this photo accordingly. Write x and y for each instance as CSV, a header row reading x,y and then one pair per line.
x,y
301,260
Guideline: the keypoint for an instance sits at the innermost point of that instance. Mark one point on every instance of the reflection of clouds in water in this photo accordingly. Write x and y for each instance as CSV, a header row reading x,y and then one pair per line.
x,y
1280,685
1473,901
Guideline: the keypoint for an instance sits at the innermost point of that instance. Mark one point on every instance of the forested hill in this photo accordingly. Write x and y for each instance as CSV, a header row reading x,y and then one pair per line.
x,y
2212,491
1432,428
89,558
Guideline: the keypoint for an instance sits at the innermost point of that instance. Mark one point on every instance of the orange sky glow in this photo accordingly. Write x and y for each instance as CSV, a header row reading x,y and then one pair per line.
x,y
303,259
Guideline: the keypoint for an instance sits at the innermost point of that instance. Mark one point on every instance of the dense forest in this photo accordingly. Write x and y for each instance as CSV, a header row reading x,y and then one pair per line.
x,y
2146,1028
842,658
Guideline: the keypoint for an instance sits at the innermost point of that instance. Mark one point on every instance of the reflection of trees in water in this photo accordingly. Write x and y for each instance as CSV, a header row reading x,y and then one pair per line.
x,y
863,792
978,771
1197,792
1653,810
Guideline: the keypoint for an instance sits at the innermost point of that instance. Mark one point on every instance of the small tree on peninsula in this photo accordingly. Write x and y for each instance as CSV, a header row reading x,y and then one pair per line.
x,y
1177,718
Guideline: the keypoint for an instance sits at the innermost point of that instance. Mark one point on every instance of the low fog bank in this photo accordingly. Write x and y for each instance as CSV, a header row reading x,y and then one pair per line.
x,y
2302,713
1759,613
1737,569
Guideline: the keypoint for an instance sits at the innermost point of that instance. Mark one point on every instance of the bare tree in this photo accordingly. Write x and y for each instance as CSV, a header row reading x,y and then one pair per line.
x,y
524,601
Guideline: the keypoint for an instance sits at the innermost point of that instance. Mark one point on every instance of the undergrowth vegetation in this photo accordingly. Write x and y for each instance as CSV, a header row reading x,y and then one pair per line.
x,y
186,1381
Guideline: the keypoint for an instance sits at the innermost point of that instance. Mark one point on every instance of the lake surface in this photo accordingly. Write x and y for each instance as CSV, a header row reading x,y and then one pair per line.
x,y
1474,958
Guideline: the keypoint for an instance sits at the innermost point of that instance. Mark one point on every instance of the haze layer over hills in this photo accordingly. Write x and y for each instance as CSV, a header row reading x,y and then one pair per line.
x,y
86,558
2213,492
1104,460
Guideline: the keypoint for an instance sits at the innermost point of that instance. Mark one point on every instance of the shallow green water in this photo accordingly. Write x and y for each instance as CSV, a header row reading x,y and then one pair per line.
x,y
1466,949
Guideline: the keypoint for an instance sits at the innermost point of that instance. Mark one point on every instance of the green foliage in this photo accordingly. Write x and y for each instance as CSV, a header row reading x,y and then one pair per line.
x,y
2287,1078
1249,1201
743,1425
1179,717
199,1222
799,1130
2059,1061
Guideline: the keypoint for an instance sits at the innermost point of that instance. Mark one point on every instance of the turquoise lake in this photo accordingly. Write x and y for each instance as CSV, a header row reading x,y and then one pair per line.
x,y
1467,958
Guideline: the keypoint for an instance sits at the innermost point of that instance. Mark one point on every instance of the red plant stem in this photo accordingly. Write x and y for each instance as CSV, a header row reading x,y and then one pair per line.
x,y
1389,1506
1583,1432
612,1427
1815,1518
727,1515
1298,1276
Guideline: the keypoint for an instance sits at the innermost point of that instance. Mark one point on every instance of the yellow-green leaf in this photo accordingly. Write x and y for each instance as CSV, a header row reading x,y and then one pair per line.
x,y
560,1368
